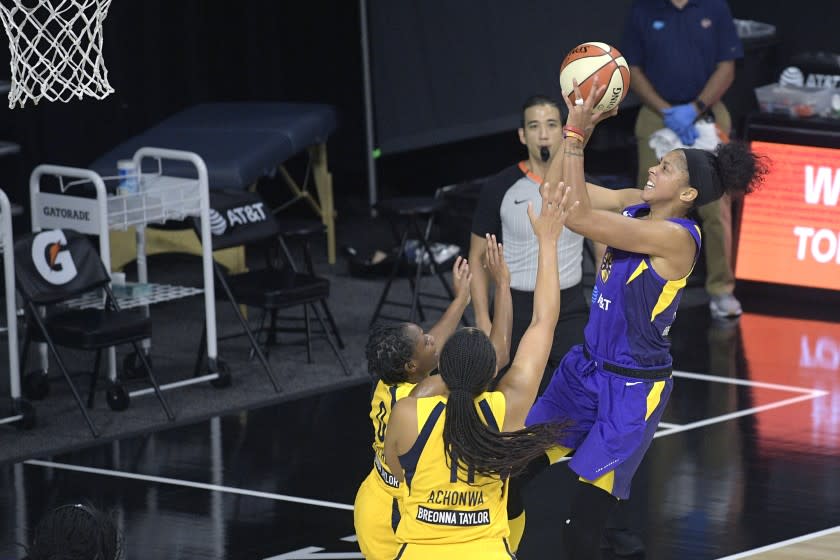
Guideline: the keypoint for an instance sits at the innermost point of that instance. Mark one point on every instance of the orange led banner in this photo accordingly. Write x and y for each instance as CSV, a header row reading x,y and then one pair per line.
x,y
790,228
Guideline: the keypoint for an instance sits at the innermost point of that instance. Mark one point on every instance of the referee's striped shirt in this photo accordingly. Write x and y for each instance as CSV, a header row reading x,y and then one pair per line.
x,y
503,210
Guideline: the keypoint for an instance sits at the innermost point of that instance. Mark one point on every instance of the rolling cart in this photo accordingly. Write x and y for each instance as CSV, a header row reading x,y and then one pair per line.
x,y
158,198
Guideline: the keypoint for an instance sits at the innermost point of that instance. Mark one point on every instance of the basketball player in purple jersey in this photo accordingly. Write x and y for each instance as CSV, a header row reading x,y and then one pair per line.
x,y
614,387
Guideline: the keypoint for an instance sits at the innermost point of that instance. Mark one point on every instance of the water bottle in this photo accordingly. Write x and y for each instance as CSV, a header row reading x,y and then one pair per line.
x,y
127,173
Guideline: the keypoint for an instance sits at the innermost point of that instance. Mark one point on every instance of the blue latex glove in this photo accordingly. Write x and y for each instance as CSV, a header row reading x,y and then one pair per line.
x,y
688,135
680,117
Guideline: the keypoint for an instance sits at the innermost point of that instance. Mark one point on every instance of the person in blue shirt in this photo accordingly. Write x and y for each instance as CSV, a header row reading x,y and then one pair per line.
x,y
613,388
682,60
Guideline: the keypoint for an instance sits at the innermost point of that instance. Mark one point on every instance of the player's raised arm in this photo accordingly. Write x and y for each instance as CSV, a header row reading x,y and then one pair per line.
x,y
500,333
613,200
522,380
461,280
660,238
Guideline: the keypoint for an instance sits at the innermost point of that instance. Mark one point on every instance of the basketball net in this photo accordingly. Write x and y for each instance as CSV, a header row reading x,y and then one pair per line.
x,y
56,48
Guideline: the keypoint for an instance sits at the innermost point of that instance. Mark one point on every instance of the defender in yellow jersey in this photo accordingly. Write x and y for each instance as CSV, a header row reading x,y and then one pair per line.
x,y
452,509
375,511
455,452
401,356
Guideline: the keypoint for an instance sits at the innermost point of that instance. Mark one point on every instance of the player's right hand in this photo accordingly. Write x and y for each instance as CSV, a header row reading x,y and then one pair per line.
x,y
582,115
495,259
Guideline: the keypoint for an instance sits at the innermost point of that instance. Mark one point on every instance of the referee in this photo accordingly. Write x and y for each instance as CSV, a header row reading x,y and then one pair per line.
x,y
502,210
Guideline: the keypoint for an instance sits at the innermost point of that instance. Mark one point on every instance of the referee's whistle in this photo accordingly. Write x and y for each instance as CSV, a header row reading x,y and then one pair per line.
x,y
545,154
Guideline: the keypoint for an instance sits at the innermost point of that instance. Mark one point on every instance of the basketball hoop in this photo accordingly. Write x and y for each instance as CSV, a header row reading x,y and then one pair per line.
x,y
56,48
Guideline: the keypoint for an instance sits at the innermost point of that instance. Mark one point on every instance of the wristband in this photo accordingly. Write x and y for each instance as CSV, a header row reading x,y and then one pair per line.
x,y
574,129
575,135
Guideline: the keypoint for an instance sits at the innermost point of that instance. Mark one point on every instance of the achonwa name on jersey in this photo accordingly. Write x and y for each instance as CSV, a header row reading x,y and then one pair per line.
x,y
456,498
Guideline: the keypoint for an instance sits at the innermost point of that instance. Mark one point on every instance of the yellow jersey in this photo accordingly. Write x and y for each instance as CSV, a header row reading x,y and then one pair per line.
x,y
375,510
384,398
438,507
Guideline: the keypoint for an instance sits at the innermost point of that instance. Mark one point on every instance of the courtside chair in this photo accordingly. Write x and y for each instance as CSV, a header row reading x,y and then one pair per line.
x,y
295,237
54,266
411,217
242,218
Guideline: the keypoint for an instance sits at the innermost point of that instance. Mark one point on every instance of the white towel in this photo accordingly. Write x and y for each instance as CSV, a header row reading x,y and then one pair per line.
x,y
664,140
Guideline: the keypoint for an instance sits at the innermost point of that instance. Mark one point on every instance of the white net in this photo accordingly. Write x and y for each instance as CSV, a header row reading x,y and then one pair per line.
x,y
56,48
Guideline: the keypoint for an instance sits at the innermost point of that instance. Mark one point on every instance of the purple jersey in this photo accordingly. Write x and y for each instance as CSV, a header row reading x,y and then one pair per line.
x,y
613,412
633,307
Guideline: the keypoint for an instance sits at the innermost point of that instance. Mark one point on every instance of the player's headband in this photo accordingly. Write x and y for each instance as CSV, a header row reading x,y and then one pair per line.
x,y
703,175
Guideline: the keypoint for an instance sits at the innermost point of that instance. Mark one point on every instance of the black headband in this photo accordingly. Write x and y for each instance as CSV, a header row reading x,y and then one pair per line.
x,y
702,175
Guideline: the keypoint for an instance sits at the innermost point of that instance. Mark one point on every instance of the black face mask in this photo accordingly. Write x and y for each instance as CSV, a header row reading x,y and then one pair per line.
x,y
545,154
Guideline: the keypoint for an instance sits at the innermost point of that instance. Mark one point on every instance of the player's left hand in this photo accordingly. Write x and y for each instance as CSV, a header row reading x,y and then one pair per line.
x,y
557,204
461,277
597,117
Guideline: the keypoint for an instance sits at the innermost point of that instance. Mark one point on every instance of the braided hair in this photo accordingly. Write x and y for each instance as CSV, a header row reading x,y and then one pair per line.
x,y
389,348
76,532
467,365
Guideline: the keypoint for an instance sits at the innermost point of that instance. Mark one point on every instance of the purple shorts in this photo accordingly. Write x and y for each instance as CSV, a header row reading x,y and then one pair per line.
x,y
613,418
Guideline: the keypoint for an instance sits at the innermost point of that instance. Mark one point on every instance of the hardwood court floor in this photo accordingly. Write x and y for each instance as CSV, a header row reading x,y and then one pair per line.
x,y
818,546
747,456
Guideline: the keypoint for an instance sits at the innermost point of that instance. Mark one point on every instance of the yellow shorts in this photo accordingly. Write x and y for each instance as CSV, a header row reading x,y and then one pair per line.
x,y
372,515
490,549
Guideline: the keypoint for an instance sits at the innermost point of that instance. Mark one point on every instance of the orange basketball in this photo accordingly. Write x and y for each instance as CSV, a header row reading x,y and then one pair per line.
x,y
588,60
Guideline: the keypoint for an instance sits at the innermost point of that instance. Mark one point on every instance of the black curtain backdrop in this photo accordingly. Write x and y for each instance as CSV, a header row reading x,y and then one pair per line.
x,y
445,71
442,71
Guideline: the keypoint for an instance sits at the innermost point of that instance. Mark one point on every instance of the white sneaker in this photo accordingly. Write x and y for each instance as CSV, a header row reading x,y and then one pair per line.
x,y
724,306
443,252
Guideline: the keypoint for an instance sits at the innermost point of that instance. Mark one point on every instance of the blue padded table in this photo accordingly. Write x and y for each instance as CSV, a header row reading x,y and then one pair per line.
x,y
242,142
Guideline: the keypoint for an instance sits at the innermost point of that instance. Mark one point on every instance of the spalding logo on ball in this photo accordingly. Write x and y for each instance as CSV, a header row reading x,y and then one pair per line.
x,y
588,60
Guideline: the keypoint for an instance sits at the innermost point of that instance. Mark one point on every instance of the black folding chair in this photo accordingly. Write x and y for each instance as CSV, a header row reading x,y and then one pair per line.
x,y
300,232
54,266
242,218
412,215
